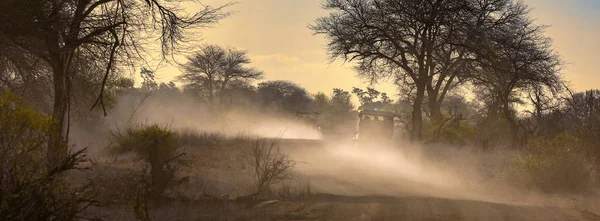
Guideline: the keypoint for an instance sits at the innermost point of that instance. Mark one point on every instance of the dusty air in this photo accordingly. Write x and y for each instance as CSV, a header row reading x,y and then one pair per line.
x,y
374,110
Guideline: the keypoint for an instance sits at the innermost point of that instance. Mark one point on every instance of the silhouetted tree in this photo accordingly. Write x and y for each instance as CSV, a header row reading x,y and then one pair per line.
x,y
419,43
514,59
370,99
582,118
213,68
321,102
240,94
284,95
59,31
336,112
148,80
341,102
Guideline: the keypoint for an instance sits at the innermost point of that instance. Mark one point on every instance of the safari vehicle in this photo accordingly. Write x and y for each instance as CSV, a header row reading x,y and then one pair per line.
x,y
373,127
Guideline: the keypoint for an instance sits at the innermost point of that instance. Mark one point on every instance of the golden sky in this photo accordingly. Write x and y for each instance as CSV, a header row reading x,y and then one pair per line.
x,y
275,34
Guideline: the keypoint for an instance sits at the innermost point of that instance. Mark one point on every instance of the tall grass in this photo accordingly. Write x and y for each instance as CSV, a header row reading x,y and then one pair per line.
x,y
194,138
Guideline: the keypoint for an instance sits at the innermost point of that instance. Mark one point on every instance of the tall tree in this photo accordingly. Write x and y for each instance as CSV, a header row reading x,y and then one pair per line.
x,y
341,102
583,118
424,45
240,94
396,38
514,59
58,31
284,96
370,99
337,116
213,68
321,102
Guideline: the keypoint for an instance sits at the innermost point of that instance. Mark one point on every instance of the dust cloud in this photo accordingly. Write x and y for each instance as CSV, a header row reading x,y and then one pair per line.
x,y
377,170
408,170
338,167
186,113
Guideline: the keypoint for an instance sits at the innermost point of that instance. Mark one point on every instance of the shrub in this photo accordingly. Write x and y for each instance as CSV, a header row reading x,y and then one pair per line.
x,y
452,130
28,189
270,165
460,135
555,165
158,148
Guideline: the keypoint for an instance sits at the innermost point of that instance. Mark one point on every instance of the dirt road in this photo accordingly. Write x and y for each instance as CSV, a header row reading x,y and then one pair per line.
x,y
351,183
421,189
331,207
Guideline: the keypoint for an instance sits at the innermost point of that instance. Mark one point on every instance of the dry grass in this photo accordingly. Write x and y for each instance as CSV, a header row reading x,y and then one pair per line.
x,y
220,172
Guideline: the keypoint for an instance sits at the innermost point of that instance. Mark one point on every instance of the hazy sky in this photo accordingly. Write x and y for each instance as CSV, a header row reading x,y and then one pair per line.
x,y
275,34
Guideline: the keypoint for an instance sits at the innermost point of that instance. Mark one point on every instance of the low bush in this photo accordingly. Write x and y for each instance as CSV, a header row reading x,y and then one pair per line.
x,y
270,165
28,189
158,148
556,165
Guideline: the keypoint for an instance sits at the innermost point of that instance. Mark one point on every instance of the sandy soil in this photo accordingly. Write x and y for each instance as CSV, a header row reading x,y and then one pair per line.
x,y
330,207
410,185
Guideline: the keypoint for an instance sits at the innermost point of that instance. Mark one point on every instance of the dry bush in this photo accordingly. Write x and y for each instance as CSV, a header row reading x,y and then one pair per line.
x,y
195,138
270,165
556,165
138,193
158,148
29,190
191,137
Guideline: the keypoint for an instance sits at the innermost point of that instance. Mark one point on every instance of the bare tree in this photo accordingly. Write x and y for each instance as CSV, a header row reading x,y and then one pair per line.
x,y
59,31
213,68
515,59
270,165
419,43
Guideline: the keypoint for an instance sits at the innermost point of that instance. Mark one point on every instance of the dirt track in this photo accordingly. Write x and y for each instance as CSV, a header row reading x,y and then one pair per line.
x,y
330,207
436,196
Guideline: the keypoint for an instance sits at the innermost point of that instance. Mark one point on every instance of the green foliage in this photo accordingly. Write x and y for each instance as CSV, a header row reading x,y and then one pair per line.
x,y
158,147
28,189
460,134
554,165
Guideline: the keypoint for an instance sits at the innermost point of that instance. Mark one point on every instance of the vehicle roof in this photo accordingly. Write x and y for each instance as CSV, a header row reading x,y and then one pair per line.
x,y
378,113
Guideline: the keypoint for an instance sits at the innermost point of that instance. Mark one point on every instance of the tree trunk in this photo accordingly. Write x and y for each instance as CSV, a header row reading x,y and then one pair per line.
x,y
436,95
514,128
57,141
417,115
434,107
